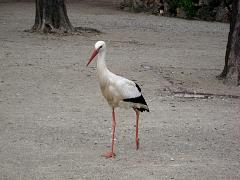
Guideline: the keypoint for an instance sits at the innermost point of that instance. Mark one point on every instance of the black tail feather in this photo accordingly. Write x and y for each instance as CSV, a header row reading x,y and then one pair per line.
x,y
139,100
142,109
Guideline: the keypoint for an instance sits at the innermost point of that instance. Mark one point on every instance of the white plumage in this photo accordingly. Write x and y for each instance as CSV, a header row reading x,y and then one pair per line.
x,y
117,90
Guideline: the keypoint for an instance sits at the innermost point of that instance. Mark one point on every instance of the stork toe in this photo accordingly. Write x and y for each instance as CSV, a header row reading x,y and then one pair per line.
x,y
109,154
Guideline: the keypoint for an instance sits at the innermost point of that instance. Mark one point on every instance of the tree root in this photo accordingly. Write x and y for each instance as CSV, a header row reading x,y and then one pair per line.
x,y
231,76
49,29
86,29
51,18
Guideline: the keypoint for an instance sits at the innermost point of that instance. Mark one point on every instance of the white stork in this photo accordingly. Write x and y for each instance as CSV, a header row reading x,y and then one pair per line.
x,y
118,91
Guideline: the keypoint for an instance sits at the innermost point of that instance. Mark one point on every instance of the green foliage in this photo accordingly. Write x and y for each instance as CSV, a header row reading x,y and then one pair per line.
x,y
173,5
209,10
188,7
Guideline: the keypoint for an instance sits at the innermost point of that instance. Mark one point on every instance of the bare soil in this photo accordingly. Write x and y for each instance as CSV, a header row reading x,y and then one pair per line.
x,y
54,123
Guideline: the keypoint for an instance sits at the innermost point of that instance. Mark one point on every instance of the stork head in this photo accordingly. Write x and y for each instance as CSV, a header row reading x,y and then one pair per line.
x,y
99,47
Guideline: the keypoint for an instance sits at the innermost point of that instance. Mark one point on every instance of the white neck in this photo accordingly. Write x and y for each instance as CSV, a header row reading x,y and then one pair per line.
x,y
102,71
101,64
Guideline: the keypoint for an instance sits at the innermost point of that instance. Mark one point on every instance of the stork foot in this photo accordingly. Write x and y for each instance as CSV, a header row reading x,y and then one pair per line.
x,y
109,155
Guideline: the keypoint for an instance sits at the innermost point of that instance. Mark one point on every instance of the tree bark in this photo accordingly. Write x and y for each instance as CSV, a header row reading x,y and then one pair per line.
x,y
231,71
51,16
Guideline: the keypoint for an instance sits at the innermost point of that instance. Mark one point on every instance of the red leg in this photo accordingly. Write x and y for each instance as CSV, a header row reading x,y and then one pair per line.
x,y
111,153
137,122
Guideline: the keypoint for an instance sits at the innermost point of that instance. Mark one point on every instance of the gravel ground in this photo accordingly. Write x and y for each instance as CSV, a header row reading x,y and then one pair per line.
x,y
54,123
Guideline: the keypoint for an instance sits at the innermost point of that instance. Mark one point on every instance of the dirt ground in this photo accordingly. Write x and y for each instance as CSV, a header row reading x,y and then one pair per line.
x,y
54,123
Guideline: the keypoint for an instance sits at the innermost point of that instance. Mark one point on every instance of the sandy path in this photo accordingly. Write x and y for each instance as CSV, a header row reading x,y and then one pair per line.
x,y
54,124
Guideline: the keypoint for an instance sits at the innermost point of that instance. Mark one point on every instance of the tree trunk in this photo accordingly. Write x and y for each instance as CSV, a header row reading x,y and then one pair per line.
x,y
231,71
51,16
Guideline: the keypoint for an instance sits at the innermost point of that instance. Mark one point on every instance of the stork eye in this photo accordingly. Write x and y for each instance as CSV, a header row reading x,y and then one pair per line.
x,y
100,47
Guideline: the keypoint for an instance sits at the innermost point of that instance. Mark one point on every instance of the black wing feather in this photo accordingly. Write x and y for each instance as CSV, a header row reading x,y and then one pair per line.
x,y
139,100
139,89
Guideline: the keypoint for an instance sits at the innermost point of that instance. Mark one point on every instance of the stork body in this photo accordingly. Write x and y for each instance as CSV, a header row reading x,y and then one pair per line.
x,y
118,91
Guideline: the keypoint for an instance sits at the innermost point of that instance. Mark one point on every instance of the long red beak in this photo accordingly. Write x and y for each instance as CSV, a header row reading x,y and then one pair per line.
x,y
95,52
